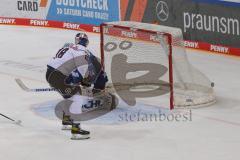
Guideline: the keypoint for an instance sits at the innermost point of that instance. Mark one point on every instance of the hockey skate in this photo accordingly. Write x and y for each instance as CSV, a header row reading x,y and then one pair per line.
x,y
66,122
78,133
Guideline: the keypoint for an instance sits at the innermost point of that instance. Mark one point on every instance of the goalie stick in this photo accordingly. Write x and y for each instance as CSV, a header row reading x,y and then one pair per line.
x,y
86,91
25,88
110,88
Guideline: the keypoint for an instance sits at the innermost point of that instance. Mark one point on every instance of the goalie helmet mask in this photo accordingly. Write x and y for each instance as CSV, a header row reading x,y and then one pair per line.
x,y
82,39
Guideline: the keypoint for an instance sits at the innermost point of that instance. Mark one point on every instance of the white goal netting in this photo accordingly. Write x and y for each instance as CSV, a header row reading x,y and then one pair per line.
x,y
143,57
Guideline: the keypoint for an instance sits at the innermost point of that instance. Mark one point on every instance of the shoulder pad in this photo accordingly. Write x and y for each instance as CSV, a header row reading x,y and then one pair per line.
x,y
67,45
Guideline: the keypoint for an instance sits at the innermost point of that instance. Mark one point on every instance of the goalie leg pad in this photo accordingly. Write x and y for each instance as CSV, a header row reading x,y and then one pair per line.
x,y
101,81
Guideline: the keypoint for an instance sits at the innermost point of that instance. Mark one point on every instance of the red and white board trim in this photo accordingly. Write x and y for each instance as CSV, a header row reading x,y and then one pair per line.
x,y
225,50
47,23
213,48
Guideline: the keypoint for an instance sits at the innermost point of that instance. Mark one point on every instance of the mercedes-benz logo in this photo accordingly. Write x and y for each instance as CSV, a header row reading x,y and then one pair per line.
x,y
162,11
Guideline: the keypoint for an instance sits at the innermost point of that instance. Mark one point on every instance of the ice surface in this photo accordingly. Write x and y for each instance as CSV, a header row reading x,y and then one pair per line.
x,y
212,134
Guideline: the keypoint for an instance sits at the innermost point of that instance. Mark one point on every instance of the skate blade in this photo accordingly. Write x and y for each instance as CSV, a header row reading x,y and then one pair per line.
x,y
79,137
66,127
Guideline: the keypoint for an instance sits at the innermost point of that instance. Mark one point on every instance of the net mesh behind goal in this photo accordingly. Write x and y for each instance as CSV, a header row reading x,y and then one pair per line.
x,y
145,56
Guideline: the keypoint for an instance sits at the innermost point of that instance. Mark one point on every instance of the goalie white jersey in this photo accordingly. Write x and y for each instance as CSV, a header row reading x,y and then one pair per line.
x,y
76,58
71,58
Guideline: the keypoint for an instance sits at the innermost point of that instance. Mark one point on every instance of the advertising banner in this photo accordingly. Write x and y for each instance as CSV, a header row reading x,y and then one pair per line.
x,y
24,8
213,25
92,12
137,10
84,11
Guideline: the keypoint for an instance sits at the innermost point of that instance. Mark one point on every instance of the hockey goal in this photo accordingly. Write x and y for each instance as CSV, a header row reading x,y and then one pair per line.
x,y
134,53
